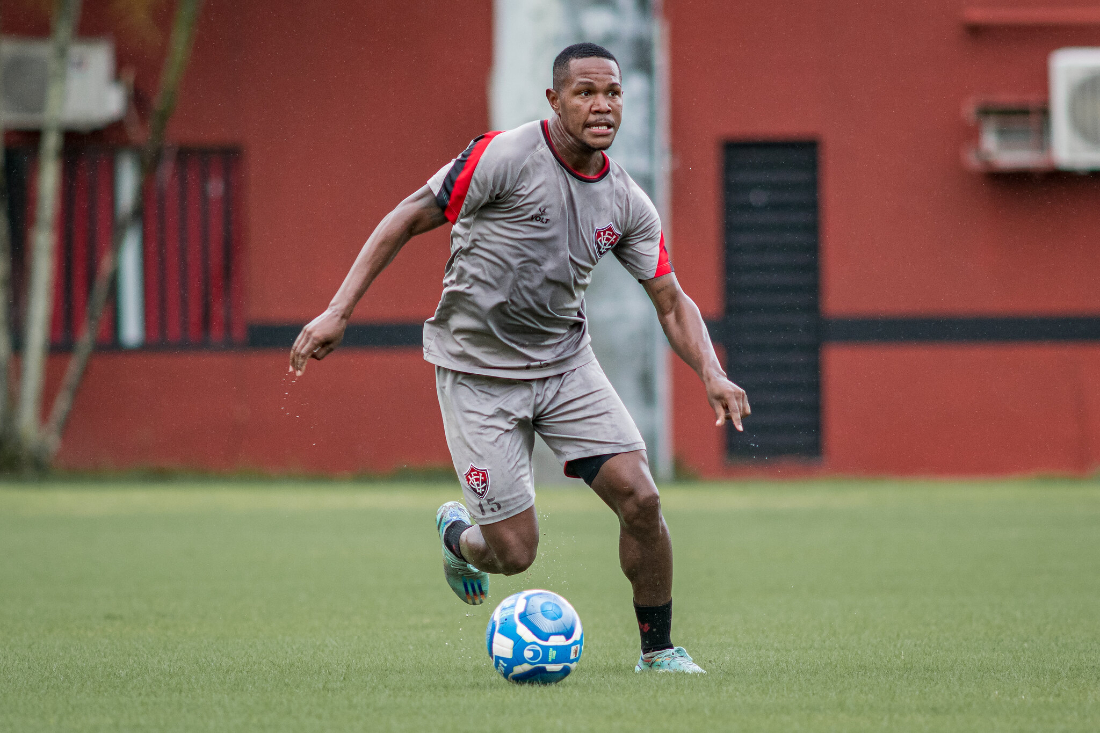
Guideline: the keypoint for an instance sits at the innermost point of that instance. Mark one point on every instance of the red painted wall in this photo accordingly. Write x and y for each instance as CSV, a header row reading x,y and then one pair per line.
x,y
906,230
366,411
341,112
344,111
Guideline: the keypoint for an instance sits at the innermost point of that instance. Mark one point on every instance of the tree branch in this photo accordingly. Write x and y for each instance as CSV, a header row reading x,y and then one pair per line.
x,y
40,292
6,393
183,33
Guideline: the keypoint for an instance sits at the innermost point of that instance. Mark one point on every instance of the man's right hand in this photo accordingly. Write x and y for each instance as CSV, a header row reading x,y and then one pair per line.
x,y
417,214
317,340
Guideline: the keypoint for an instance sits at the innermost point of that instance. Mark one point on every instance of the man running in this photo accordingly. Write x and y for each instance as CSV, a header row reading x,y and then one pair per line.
x,y
533,210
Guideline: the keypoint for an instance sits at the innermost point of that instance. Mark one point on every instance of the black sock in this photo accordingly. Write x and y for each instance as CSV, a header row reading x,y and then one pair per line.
x,y
452,534
655,625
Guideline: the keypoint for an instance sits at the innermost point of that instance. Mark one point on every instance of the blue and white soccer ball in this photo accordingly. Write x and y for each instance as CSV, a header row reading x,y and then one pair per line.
x,y
535,636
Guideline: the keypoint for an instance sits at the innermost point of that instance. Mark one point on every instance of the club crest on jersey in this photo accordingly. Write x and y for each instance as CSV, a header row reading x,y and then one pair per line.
x,y
478,480
606,238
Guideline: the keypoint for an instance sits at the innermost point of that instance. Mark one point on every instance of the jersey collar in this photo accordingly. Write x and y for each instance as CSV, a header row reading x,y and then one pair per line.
x,y
568,169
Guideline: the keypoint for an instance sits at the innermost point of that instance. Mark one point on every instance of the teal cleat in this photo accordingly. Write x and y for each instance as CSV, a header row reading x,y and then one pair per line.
x,y
469,584
668,660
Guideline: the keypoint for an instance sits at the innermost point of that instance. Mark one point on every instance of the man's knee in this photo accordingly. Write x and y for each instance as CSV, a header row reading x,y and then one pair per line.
x,y
641,508
513,542
515,560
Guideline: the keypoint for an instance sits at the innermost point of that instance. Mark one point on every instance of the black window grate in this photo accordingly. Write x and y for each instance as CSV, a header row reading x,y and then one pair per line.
x,y
186,284
771,325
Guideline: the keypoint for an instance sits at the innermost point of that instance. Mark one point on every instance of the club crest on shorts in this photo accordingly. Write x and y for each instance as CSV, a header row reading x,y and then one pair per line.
x,y
606,238
478,480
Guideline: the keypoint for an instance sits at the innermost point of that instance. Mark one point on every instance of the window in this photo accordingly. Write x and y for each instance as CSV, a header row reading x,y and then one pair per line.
x,y
180,270
1013,136
771,321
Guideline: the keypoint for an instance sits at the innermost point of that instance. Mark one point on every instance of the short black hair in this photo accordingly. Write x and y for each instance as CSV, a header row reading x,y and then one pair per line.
x,y
579,51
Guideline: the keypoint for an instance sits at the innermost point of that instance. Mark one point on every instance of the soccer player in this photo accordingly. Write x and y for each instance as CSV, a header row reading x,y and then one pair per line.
x,y
533,210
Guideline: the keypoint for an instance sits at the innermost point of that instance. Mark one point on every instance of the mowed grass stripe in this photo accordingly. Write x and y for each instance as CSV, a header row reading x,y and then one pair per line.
x,y
315,606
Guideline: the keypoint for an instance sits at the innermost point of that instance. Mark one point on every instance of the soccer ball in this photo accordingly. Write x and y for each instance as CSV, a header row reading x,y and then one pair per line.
x,y
535,636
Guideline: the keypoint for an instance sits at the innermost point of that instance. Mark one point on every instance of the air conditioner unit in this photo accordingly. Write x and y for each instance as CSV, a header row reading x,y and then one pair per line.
x,y
93,98
1075,108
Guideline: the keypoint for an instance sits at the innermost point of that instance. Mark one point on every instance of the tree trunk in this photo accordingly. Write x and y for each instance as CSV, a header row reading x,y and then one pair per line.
x,y
5,307
179,51
40,293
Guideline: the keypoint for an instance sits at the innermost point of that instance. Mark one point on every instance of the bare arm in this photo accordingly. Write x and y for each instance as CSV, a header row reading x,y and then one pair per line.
x,y
417,214
683,324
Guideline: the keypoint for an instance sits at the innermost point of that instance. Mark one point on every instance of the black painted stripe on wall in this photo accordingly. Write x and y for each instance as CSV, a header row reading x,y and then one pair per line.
x,y
836,330
361,335
983,329
1018,329
956,329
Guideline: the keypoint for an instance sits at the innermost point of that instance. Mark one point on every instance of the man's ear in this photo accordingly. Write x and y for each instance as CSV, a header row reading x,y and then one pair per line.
x,y
553,98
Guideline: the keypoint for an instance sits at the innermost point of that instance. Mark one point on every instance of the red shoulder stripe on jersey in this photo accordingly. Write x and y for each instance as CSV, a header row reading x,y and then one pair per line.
x,y
463,171
443,197
664,266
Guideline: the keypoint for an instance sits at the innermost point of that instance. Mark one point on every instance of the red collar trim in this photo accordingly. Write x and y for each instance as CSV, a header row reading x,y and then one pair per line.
x,y
569,169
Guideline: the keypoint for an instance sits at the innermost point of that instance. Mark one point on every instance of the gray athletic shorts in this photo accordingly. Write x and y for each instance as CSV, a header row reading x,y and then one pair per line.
x,y
491,424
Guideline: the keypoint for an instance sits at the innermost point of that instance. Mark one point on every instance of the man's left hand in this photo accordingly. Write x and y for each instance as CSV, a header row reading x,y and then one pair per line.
x,y
728,401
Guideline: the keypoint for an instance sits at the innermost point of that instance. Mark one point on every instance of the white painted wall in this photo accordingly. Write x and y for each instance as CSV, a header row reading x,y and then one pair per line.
x,y
627,339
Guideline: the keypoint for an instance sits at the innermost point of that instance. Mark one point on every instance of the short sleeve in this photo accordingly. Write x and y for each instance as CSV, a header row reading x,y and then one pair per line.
x,y
455,186
642,248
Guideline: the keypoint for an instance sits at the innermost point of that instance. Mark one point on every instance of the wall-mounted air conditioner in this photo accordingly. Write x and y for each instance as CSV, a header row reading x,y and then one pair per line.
x,y
1075,108
93,98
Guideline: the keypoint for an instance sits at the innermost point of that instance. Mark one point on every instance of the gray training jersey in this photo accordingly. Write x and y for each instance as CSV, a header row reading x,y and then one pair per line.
x,y
528,230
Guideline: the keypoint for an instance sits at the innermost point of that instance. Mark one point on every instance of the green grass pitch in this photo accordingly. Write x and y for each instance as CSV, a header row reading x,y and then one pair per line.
x,y
315,606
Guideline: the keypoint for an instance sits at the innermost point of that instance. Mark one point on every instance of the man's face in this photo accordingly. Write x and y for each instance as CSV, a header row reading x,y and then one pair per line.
x,y
590,102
